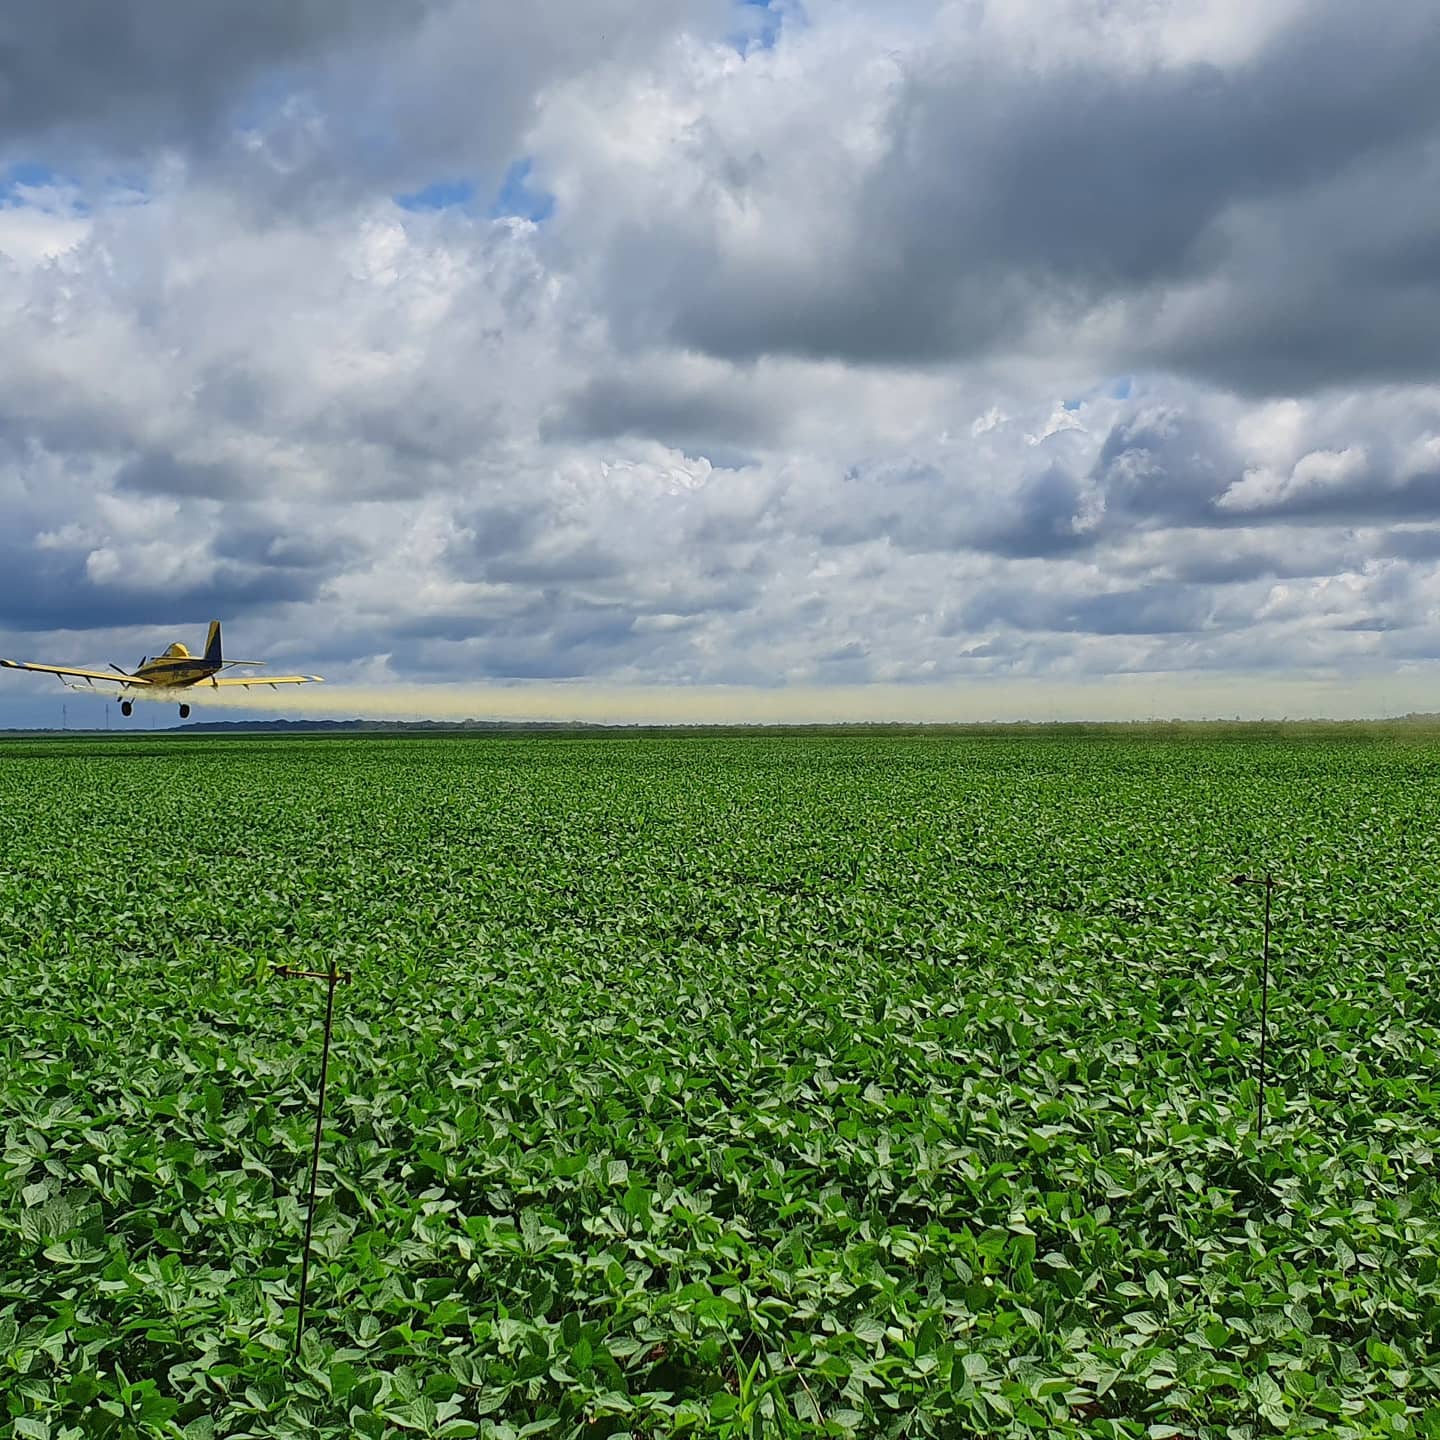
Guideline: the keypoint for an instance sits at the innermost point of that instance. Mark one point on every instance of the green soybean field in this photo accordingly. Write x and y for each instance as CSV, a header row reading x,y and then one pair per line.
x,y
731,1086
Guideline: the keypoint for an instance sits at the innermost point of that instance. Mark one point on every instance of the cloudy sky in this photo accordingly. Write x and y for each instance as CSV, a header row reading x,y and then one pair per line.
x,y
981,357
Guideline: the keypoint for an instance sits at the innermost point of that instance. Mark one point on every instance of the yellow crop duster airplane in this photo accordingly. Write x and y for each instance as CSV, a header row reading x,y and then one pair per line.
x,y
176,669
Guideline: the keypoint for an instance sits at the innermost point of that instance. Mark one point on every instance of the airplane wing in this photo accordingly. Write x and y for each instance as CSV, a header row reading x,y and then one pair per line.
x,y
114,677
269,680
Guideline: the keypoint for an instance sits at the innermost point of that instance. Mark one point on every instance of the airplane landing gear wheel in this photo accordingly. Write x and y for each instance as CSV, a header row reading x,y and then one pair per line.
x,y
184,712
126,707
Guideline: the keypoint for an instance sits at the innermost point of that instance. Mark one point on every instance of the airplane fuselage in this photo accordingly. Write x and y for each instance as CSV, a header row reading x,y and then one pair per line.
x,y
172,673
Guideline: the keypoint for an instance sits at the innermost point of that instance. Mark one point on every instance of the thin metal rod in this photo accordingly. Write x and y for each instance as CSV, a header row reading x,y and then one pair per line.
x,y
1264,1010
333,979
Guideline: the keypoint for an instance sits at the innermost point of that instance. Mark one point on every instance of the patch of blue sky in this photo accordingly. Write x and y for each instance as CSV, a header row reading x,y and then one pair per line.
x,y
516,196
439,195
1118,387
30,183
29,174
761,23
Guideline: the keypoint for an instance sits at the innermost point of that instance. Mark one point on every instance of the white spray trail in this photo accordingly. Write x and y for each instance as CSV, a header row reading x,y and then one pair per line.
x,y
1121,697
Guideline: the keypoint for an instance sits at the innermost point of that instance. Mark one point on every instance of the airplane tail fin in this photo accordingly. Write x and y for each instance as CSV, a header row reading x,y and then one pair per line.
x,y
212,644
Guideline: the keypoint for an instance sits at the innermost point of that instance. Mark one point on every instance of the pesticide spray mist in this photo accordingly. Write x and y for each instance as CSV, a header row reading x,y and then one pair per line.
x,y
1115,697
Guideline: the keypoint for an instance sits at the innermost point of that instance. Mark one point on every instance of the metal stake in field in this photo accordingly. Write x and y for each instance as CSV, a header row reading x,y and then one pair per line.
x,y
332,977
1268,881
